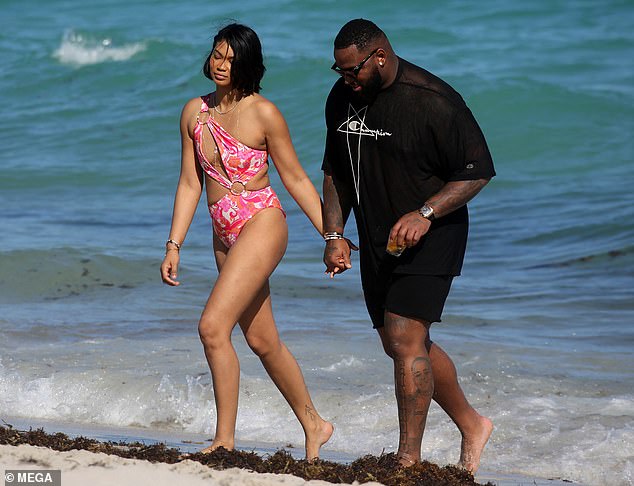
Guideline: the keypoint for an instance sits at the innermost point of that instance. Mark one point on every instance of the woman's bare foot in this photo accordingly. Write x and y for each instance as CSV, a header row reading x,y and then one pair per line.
x,y
473,445
317,439
216,444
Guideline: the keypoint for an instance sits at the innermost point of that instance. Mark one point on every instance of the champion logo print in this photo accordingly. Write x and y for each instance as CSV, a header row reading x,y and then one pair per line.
x,y
355,128
355,124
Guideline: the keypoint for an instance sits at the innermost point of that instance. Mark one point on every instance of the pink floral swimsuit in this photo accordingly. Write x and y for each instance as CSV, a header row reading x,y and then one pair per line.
x,y
232,211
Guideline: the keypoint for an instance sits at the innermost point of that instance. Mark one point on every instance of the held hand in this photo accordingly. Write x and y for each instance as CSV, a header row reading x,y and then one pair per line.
x,y
409,229
169,268
351,245
337,256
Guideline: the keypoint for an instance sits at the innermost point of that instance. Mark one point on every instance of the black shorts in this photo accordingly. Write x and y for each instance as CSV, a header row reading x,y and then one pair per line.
x,y
417,296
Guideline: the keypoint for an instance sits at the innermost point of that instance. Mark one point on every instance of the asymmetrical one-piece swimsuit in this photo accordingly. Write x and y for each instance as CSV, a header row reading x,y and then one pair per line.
x,y
232,211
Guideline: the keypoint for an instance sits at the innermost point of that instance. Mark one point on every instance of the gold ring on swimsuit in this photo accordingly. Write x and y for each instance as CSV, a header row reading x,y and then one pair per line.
x,y
242,185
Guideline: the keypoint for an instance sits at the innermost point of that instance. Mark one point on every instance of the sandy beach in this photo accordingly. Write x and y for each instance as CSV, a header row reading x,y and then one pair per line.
x,y
97,469
539,324
80,467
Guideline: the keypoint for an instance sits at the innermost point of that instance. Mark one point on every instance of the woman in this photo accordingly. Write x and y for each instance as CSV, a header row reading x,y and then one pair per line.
x,y
227,137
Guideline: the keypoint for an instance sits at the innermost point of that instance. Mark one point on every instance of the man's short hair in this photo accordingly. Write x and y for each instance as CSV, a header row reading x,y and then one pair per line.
x,y
358,32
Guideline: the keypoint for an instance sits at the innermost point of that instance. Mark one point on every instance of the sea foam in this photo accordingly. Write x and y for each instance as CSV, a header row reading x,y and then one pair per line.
x,y
80,50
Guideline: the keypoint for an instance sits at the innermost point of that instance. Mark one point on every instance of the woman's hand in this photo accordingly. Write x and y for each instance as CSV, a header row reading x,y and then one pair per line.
x,y
169,267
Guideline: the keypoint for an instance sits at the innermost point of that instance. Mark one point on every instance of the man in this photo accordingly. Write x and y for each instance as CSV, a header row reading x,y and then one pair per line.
x,y
404,151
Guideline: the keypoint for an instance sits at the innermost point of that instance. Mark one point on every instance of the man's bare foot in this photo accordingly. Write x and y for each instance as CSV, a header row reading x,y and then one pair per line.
x,y
215,445
318,439
405,460
473,445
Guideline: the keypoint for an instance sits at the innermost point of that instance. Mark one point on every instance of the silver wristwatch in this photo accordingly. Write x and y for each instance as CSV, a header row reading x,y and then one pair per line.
x,y
427,212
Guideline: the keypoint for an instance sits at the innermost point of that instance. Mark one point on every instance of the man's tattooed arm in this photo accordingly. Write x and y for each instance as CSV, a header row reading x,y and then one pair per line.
x,y
454,195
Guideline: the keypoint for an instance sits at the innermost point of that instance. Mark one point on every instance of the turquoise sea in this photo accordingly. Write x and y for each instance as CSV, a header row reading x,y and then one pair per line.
x,y
540,324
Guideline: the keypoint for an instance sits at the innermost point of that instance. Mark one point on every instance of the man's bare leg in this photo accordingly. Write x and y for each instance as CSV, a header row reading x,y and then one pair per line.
x,y
403,339
475,428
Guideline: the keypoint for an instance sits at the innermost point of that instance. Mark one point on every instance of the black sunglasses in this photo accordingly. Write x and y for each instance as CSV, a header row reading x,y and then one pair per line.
x,y
354,71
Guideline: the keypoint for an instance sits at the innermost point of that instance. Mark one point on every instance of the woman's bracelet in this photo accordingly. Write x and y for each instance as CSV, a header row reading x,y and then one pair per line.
x,y
332,235
175,243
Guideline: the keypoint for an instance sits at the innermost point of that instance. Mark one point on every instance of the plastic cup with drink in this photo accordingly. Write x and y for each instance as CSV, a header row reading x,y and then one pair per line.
x,y
393,248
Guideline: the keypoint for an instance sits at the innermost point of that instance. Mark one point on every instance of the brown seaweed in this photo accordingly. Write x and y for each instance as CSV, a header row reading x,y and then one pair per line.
x,y
383,469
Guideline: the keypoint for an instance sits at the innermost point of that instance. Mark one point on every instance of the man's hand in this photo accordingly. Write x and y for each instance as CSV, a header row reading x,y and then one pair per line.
x,y
409,229
337,256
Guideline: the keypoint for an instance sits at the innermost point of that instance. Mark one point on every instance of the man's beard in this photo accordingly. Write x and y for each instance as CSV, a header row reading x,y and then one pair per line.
x,y
370,89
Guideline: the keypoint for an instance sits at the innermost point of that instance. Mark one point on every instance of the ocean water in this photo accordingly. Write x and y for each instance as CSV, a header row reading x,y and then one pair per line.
x,y
540,325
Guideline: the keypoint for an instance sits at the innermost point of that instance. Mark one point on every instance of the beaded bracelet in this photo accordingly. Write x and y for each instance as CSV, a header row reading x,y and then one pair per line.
x,y
175,243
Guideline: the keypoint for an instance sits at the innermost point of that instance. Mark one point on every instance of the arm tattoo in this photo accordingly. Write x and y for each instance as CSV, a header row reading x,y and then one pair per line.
x,y
454,195
336,205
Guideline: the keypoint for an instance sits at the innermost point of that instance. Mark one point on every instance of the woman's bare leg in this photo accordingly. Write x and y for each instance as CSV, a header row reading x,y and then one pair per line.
x,y
241,293
226,374
244,269
259,328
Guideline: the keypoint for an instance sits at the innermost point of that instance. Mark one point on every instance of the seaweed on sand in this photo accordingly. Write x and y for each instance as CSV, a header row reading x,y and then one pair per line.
x,y
383,469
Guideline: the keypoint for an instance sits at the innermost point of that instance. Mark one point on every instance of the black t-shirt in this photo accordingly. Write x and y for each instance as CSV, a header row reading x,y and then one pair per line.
x,y
394,153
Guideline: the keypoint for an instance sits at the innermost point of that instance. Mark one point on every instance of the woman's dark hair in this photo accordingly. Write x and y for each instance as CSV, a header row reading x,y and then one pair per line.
x,y
247,68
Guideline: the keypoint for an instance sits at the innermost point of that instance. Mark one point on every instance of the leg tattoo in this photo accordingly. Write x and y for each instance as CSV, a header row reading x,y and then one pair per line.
x,y
310,412
413,403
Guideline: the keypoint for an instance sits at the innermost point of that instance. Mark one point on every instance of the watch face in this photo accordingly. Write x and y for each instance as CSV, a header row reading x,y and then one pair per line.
x,y
427,212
